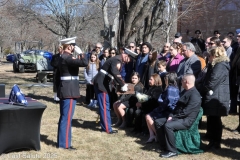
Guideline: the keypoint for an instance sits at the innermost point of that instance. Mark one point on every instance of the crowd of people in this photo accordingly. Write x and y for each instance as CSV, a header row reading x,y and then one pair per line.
x,y
179,79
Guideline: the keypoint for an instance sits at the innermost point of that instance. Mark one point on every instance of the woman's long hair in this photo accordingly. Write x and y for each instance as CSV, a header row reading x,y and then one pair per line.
x,y
139,82
157,79
97,62
154,58
171,78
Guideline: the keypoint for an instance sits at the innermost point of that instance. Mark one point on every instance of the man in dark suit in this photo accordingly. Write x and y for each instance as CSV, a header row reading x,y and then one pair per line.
x,y
182,118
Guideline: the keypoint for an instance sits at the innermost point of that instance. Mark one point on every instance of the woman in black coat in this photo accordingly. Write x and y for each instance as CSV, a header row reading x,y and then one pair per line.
x,y
150,67
216,94
154,91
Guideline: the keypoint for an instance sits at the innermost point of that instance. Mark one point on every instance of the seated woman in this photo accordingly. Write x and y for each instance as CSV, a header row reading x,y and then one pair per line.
x,y
154,91
127,100
167,102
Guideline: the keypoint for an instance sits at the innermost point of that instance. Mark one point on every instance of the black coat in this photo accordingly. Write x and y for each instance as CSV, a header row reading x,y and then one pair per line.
x,y
102,81
187,107
235,75
54,64
217,80
68,66
154,93
148,70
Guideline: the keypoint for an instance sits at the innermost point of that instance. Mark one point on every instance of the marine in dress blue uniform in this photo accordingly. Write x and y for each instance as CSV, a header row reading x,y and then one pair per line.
x,y
103,83
68,90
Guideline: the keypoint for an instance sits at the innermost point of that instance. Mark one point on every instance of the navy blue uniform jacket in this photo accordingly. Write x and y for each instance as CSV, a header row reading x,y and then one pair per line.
x,y
68,66
102,81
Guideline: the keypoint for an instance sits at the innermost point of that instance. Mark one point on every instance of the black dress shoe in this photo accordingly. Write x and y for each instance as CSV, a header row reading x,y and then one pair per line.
x,y
213,145
72,148
113,132
209,146
168,154
217,146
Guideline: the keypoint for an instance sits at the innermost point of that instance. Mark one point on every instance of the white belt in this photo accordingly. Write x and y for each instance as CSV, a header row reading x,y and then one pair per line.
x,y
106,73
70,78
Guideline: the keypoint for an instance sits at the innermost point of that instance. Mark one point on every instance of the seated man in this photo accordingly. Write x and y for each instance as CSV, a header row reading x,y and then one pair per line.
x,y
182,117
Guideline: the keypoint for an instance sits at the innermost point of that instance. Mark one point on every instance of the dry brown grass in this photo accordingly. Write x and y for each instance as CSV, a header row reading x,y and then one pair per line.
x,y
87,138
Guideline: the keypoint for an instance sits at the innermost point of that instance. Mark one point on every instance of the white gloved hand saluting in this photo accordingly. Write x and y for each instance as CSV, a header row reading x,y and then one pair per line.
x,y
210,92
124,88
77,50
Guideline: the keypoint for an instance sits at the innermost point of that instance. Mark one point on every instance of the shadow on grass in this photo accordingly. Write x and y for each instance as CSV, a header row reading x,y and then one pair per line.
x,y
85,124
38,97
30,80
44,138
230,152
228,129
141,138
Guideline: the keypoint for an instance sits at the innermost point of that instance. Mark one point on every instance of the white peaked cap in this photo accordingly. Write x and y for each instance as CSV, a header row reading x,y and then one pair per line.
x,y
130,53
68,40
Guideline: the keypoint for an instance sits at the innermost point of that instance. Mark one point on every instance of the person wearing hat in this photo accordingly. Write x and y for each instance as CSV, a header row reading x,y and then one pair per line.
x,y
217,33
198,40
68,89
178,38
104,82
142,58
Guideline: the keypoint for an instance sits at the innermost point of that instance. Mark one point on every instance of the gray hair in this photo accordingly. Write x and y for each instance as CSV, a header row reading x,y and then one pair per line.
x,y
190,78
98,43
190,46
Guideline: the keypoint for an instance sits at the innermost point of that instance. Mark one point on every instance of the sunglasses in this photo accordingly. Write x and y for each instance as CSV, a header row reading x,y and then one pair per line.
x,y
210,43
97,47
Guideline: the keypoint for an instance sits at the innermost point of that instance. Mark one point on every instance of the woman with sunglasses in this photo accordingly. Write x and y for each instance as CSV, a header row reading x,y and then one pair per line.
x,y
165,53
215,42
113,52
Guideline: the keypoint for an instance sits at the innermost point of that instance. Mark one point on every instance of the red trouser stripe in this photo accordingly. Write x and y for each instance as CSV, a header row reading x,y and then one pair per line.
x,y
68,121
105,112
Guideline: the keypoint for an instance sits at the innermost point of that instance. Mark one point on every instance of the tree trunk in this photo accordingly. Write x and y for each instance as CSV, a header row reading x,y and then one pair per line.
x,y
138,20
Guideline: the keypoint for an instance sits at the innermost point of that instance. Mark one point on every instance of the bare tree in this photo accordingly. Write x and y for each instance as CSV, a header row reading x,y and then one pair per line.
x,y
3,3
212,15
61,17
180,11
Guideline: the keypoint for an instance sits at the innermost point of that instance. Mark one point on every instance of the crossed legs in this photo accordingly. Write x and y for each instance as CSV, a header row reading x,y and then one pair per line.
x,y
151,128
